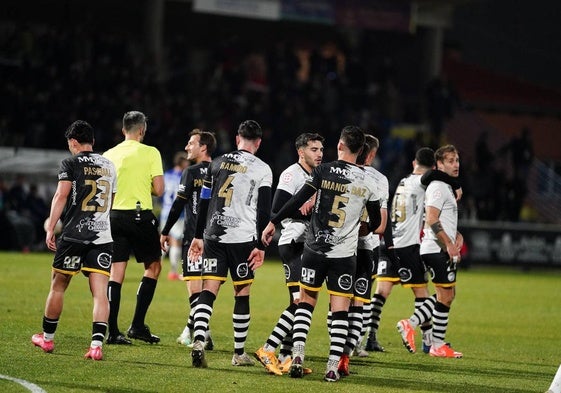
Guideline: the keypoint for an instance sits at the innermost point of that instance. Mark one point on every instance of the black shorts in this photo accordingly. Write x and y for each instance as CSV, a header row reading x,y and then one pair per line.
x,y
192,270
219,258
337,272
413,272
71,258
141,237
386,270
442,270
291,256
375,259
363,276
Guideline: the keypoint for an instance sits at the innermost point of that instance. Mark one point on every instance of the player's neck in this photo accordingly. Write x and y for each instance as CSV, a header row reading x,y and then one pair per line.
x,y
249,147
347,156
202,159
134,136
83,149
419,170
306,167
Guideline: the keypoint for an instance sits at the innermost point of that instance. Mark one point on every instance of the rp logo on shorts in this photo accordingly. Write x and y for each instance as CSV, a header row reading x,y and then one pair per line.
x,y
194,266
210,265
71,262
308,275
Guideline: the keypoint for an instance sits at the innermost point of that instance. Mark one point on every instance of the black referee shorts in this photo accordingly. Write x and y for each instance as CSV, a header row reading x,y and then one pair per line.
x,y
138,236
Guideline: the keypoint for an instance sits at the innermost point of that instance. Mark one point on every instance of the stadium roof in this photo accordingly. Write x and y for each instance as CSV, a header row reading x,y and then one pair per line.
x,y
31,162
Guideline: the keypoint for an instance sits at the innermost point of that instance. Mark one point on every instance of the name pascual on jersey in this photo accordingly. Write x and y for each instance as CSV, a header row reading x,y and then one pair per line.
x,y
96,171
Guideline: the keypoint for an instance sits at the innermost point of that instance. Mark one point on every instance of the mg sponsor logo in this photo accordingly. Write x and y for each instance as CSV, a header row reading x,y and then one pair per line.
x,y
344,172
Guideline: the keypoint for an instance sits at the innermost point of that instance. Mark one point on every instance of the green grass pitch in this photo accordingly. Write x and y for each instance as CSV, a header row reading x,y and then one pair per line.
x,y
507,322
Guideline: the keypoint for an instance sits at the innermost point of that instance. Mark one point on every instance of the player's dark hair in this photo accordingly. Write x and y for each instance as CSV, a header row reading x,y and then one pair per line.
x,y
250,129
205,138
82,131
370,143
425,157
443,150
303,139
353,138
134,119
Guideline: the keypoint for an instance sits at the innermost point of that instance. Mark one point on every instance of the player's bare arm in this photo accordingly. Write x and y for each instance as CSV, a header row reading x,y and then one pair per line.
x,y
57,206
158,186
432,219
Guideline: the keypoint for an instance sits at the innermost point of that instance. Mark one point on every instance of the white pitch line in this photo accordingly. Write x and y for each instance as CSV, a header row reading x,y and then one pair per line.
x,y
28,385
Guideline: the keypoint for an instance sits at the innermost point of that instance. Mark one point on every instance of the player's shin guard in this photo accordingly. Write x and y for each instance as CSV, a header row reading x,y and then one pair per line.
x,y
114,295
144,297
240,318
203,312
283,326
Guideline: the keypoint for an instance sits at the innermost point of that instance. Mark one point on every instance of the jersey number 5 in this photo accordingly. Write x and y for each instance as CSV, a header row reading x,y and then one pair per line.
x,y
336,210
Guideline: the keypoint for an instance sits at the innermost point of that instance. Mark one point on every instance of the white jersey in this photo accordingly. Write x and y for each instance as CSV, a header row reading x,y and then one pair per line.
x,y
172,178
235,179
408,211
291,180
371,241
441,196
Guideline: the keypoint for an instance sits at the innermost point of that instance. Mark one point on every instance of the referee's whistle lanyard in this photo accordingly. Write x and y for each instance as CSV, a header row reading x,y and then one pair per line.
x,y
137,216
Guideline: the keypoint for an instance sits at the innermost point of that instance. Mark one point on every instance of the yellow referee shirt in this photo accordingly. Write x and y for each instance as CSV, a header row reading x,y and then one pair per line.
x,y
136,164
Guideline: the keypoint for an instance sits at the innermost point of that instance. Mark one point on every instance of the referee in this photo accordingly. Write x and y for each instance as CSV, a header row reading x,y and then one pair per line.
x,y
133,225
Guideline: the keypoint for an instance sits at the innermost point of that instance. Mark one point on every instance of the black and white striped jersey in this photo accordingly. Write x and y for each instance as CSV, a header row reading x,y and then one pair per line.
x,y
343,190
235,179
86,214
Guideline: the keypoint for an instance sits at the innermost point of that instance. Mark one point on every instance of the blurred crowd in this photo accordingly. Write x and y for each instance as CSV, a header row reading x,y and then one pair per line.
x,y
55,75
23,211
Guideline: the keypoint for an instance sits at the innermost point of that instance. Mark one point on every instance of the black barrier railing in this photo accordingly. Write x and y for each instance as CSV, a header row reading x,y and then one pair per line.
x,y
515,244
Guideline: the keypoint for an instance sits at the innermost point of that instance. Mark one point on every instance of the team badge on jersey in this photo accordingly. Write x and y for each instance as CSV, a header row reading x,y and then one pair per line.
x,y
286,177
